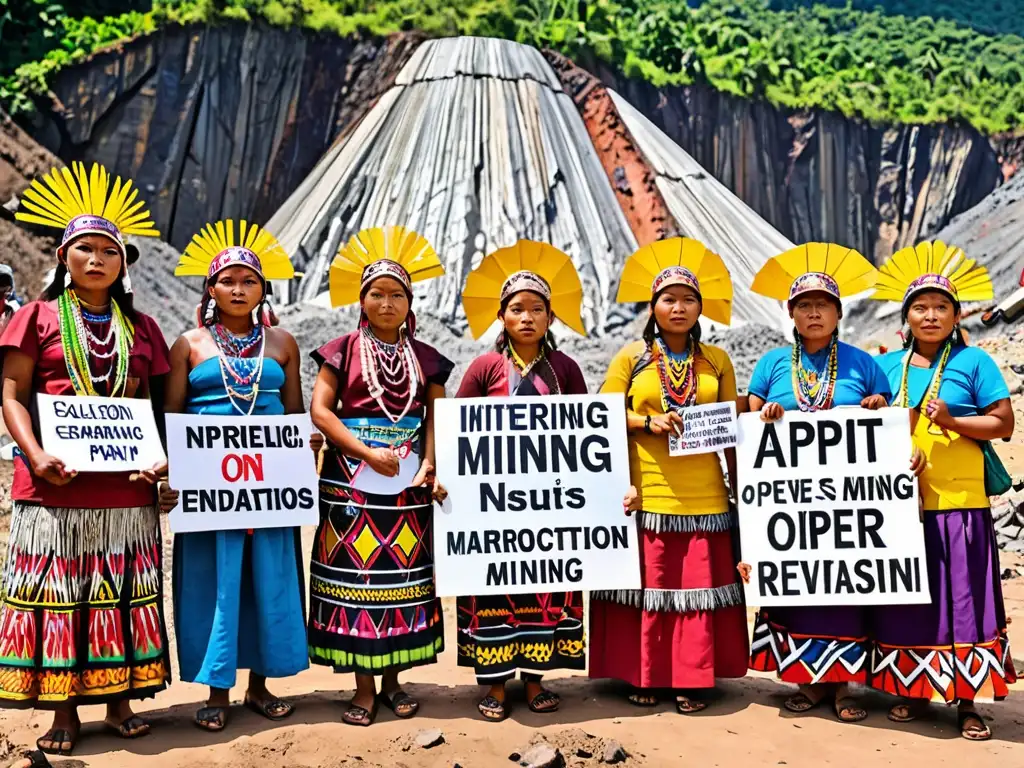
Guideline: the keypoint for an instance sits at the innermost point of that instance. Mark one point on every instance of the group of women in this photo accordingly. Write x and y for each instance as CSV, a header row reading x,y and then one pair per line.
x,y
81,618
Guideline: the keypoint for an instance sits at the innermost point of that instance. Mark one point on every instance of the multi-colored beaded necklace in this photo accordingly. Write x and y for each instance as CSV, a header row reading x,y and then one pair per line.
x,y
395,363
814,391
523,368
234,365
678,376
80,345
902,399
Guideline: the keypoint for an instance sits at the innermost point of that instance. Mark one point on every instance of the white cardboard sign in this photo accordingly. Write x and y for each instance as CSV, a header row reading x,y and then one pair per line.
x,y
828,509
99,434
237,473
707,428
535,496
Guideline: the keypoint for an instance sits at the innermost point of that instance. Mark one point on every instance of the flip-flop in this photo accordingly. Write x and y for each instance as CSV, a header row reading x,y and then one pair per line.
x,y
914,711
800,702
129,724
36,759
492,709
213,719
361,716
266,708
848,704
544,697
687,706
641,699
57,736
984,733
398,700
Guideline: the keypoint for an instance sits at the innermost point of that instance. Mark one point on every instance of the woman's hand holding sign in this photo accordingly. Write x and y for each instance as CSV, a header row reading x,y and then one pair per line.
x,y
51,469
771,412
874,402
167,497
664,423
384,461
631,501
427,476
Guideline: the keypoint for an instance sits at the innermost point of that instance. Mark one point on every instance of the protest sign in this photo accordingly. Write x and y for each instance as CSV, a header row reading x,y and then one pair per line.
x,y
828,509
99,434
240,473
535,496
706,429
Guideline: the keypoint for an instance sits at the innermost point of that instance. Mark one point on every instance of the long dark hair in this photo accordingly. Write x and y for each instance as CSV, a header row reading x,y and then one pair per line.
x,y
547,344
651,328
125,301
956,336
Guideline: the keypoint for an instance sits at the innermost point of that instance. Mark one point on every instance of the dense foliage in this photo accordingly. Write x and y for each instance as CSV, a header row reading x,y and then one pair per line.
x,y
992,16
865,63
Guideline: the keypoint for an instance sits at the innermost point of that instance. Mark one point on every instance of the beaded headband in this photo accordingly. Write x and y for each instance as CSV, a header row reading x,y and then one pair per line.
x,y
675,275
931,282
814,281
90,224
385,268
524,280
236,256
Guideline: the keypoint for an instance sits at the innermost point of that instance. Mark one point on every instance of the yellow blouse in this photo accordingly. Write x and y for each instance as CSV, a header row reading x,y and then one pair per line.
x,y
672,485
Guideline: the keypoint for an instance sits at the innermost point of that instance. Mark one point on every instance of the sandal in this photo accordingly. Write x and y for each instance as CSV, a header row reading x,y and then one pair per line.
x,y
361,716
133,727
401,703
57,738
35,758
913,710
273,708
642,699
848,711
687,706
492,709
972,726
537,703
800,702
212,719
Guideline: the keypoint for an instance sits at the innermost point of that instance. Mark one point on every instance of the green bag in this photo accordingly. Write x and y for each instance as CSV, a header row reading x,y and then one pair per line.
x,y
997,479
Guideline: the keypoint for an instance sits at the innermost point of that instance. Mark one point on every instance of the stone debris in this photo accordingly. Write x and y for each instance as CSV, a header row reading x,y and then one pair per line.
x,y
542,755
614,753
428,739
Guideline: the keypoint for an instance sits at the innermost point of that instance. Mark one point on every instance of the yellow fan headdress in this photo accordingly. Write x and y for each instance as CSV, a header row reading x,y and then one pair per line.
x,y
215,249
394,252
932,266
83,203
525,266
679,261
834,269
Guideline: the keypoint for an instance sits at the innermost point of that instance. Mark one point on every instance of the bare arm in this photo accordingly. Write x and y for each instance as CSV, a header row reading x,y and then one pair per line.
x,y
434,392
17,393
995,422
176,385
321,409
291,392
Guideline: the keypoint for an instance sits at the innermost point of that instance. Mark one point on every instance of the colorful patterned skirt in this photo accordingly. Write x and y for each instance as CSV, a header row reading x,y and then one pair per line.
x,y
809,645
372,605
954,648
687,626
81,619
533,634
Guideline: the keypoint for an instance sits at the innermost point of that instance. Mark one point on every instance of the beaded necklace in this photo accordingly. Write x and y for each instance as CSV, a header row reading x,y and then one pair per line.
x,y
396,364
902,399
678,376
523,368
814,391
79,346
244,372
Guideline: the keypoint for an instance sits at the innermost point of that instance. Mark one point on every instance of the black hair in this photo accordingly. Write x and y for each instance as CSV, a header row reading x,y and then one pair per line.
x,y
908,339
547,344
651,328
125,301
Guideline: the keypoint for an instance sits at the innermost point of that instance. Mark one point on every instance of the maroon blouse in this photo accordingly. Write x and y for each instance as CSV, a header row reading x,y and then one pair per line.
x,y
488,376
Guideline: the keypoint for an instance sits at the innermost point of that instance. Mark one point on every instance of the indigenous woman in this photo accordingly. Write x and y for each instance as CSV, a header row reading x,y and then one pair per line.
x,y
238,599
824,648
687,624
954,649
373,610
524,286
81,620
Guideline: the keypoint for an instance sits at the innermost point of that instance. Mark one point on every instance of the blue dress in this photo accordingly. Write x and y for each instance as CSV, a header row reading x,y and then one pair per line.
x,y
238,597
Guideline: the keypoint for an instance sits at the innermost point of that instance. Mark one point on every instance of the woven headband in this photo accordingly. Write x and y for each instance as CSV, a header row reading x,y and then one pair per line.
x,y
90,224
931,282
236,256
814,281
675,275
385,268
525,280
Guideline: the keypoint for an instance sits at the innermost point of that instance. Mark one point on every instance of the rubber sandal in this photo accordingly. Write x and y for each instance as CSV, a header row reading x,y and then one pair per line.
x,y
213,719
984,733
848,704
799,703
266,708
492,709
914,711
125,728
687,706
361,716
57,736
542,698
640,699
36,759
397,700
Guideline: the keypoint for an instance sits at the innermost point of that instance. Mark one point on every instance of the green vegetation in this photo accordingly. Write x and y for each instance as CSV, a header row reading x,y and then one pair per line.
x,y
865,63
994,17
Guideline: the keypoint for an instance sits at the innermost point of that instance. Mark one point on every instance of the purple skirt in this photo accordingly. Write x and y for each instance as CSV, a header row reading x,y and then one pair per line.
x,y
954,648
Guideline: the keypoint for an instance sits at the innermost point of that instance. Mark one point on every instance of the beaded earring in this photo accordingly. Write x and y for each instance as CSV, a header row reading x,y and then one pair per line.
x,y
67,278
209,313
126,282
